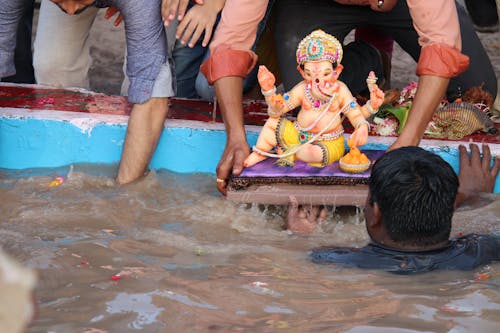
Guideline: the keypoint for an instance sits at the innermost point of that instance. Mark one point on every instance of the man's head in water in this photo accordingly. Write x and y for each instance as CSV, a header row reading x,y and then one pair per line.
x,y
73,7
411,200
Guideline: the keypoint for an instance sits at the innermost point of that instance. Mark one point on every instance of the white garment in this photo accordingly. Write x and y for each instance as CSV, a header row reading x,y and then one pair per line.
x,y
61,55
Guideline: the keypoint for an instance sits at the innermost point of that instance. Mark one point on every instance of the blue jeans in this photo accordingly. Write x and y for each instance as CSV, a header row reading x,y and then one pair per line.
x,y
23,58
191,83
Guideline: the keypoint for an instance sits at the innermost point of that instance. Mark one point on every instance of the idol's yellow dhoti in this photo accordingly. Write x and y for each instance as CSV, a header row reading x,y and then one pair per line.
x,y
289,136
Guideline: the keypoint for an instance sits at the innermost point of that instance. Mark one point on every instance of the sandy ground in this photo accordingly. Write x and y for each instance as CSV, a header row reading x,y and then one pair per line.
x,y
108,43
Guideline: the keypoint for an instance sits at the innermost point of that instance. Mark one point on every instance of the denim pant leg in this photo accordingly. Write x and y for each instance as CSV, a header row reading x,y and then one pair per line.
x,y
187,67
203,89
207,92
23,57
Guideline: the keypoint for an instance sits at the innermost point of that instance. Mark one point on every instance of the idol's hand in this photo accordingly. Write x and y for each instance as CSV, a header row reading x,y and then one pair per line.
x,y
376,97
359,137
266,78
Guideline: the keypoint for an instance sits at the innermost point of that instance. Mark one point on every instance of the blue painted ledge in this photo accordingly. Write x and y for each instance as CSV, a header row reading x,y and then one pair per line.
x,y
46,139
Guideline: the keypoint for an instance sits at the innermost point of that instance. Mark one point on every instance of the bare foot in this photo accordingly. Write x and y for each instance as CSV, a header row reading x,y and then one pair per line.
x,y
253,159
304,219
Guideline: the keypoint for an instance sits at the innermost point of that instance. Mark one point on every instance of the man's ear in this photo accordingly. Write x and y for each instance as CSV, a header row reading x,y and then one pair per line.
x,y
376,220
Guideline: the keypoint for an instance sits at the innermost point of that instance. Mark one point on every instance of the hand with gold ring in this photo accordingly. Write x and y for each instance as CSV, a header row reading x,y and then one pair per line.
x,y
219,181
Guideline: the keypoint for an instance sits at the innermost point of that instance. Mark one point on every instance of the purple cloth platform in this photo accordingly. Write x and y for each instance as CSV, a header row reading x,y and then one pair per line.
x,y
269,169
268,173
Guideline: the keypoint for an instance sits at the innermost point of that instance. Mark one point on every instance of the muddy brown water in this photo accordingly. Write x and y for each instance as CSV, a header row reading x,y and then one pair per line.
x,y
169,254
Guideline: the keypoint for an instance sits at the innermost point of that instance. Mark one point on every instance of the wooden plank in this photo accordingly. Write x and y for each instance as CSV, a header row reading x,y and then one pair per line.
x,y
279,194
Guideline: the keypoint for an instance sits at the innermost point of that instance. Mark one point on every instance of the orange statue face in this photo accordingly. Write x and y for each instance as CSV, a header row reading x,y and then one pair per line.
x,y
321,76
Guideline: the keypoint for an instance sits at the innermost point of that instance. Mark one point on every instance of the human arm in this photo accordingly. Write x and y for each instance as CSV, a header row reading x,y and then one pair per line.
x,y
170,7
199,19
10,14
231,59
476,174
229,90
440,59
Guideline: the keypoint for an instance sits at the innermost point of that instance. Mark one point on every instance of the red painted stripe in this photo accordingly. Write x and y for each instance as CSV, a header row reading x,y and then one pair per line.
x,y
255,112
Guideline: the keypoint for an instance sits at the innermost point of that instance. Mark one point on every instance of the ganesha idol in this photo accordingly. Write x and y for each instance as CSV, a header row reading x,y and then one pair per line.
x,y
317,135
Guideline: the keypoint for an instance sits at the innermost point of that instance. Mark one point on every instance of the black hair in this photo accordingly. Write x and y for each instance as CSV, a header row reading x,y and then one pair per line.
x,y
415,191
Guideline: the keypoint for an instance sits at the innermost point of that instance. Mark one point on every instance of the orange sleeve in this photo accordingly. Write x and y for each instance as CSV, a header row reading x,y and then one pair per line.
x,y
436,23
230,49
226,61
441,60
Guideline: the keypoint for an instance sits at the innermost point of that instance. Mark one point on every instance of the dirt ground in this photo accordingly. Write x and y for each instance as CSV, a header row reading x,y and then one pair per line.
x,y
106,73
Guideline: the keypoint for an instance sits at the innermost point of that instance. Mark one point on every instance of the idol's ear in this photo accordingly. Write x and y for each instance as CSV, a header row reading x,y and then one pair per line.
x,y
339,69
301,71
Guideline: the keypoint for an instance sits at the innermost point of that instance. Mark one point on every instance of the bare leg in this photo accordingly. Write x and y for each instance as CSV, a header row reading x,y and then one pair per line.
x,y
144,128
265,142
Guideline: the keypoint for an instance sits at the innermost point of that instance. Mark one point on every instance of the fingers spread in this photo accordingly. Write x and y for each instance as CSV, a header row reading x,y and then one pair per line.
x,y
464,156
496,167
475,155
486,160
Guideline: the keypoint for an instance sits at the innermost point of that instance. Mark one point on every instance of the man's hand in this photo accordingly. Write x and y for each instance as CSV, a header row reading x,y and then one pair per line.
x,y
199,19
170,7
476,175
231,162
110,12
